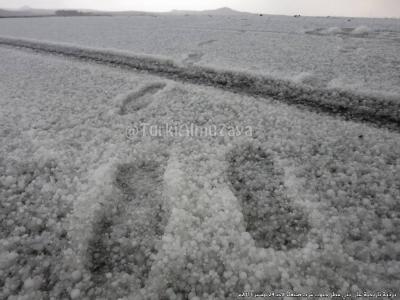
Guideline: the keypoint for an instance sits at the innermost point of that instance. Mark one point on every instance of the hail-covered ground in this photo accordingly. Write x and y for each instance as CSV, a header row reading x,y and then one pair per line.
x,y
117,184
351,53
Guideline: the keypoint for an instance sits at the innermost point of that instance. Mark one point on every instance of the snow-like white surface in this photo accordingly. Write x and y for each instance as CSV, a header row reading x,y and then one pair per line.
x,y
87,212
354,54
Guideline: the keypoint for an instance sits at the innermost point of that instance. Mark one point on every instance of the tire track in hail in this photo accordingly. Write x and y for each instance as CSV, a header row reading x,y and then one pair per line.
x,y
373,109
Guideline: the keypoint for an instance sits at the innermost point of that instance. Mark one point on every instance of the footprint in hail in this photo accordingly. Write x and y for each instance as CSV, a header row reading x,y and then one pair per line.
x,y
271,218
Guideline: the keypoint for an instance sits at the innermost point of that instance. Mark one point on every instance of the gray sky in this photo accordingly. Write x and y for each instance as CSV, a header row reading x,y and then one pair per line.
x,y
362,8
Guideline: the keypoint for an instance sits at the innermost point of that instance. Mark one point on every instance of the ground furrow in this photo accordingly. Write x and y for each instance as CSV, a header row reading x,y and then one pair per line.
x,y
383,111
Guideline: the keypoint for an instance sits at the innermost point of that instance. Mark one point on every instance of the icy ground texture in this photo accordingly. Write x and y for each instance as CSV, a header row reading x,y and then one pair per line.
x,y
355,54
128,228
258,183
88,214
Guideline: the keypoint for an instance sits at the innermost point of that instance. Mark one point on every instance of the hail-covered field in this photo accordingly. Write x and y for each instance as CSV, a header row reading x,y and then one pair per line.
x,y
109,188
353,53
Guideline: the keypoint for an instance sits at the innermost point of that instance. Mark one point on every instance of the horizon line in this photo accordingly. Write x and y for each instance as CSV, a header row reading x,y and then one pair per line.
x,y
194,10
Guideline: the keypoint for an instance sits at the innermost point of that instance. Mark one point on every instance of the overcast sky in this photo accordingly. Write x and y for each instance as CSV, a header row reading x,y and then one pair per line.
x,y
364,8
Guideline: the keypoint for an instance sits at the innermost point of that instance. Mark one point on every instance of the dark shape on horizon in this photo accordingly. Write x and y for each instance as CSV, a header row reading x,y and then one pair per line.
x,y
25,12
223,11
68,13
76,13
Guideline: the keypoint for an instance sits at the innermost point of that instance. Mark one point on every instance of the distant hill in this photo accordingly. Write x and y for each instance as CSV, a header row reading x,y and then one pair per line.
x,y
25,12
223,11
79,13
25,8
220,11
